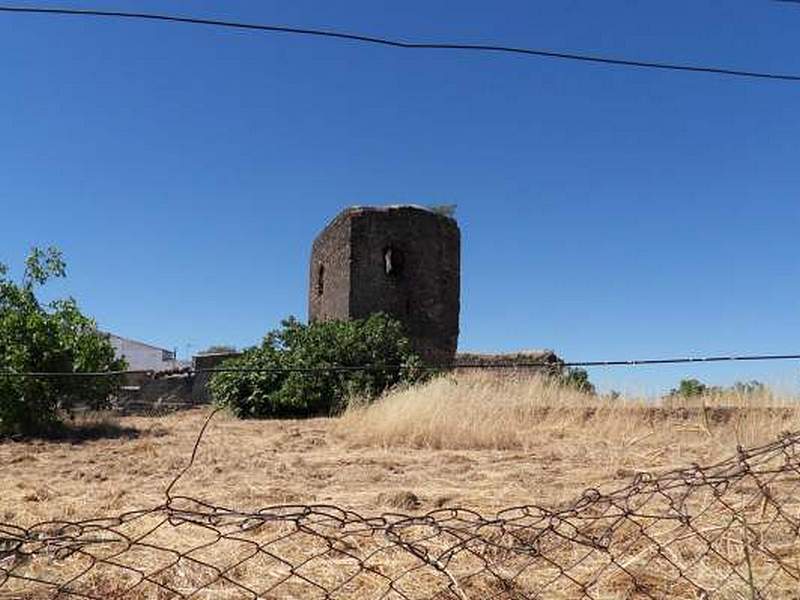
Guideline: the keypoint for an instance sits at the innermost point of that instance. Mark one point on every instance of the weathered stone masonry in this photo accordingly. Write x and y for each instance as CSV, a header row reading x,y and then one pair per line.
x,y
401,260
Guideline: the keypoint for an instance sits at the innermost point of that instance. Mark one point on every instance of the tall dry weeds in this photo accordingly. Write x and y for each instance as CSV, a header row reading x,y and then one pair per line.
x,y
487,411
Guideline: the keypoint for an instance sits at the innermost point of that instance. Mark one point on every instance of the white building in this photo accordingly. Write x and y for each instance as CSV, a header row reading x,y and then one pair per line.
x,y
143,357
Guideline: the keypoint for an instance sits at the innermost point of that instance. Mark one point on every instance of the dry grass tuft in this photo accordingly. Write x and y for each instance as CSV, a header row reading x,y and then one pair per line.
x,y
473,411
486,411
403,500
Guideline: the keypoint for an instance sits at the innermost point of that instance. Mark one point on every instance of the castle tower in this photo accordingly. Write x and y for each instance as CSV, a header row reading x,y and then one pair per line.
x,y
401,260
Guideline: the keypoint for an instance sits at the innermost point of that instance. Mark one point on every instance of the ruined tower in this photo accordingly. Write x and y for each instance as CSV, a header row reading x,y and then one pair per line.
x,y
401,260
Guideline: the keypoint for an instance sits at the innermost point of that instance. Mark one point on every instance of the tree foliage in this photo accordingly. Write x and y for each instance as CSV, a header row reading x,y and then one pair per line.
x,y
289,383
47,338
577,379
688,388
749,387
446,210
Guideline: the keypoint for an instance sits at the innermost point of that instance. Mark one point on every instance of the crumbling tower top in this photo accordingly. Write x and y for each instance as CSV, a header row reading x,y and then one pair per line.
x,y
401,260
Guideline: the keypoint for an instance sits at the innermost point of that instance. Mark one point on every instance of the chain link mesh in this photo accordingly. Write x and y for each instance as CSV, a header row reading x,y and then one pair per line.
x,y
729,530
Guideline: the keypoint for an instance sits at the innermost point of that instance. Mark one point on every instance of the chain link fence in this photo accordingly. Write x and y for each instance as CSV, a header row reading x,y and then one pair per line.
x,y
729,530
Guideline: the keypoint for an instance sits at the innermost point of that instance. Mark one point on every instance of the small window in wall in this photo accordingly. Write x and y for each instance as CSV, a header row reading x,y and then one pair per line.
x,y
321,280
393,261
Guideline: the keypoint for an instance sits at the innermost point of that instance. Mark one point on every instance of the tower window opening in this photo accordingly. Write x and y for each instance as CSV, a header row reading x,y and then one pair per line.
x,y
392,261
320,280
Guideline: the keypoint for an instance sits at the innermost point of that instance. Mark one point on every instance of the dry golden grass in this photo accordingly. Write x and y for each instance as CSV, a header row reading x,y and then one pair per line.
x,y
478,441
482,411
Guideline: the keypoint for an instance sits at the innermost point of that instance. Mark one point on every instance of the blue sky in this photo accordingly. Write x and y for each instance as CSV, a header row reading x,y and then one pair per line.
x,y
605,212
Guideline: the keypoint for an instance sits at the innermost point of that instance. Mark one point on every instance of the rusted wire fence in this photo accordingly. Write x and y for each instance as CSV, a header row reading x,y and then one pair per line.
x,y
729,530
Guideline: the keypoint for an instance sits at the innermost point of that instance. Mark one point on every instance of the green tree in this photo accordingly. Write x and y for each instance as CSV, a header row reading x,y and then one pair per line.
x,y
47,338
749,387
286,376
577,379
688,388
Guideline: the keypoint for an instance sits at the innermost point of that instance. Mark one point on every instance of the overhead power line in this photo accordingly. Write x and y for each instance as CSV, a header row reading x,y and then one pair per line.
x,y
368,39
497,365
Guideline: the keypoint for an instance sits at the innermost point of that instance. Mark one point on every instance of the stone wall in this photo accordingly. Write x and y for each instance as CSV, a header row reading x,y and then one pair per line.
x,y
155,395
504,364
402,260
200,391
146,392
329,272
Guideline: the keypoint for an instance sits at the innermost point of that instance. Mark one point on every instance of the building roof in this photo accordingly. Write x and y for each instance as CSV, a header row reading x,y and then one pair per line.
x,y
137,342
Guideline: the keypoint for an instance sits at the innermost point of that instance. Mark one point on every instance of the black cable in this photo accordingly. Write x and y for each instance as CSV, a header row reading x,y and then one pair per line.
x,y
498,365
401,44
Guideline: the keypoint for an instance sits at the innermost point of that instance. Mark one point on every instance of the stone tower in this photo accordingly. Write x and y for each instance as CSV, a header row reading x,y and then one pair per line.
x,y
401,260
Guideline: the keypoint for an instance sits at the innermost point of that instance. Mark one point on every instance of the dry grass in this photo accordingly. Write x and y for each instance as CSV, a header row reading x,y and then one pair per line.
x,y
478,441
482,411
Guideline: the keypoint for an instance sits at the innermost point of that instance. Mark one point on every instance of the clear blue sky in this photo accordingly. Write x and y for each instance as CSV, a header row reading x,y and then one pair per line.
x,y
606,212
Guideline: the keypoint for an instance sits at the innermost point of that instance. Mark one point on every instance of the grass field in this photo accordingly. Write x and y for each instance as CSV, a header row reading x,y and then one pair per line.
x,y
480,442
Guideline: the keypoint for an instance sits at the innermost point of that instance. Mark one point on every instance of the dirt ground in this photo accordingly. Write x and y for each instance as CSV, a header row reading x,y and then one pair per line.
x,y
252,464
478,443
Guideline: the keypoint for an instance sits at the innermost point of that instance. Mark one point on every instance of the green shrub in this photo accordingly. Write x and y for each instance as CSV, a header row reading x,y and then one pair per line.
x,y
52,338
446,210
688,388
377,341
577,379
752,387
